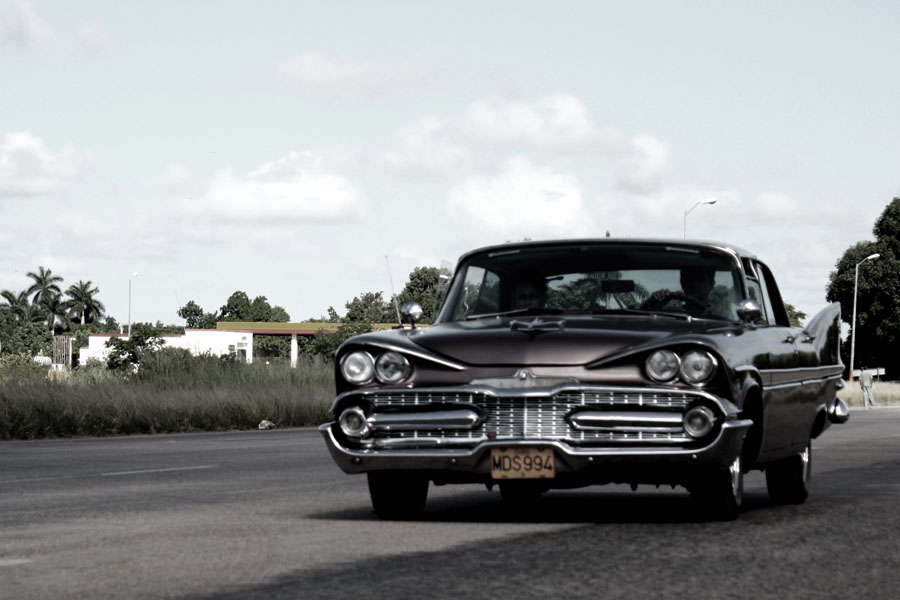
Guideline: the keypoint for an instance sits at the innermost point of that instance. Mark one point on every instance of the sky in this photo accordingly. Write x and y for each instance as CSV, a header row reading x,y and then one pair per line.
x,y
286,148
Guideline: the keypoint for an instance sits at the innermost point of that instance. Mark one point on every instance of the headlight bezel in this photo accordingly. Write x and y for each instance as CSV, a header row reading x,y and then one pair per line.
x,y
688,358
656,374
674,365
366,363
401,375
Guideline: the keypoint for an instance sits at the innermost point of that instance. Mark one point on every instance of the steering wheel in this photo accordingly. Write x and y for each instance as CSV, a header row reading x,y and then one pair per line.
x,y
652,302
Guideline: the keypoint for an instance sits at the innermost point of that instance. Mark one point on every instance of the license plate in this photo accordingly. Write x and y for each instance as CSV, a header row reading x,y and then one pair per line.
x,y
522,463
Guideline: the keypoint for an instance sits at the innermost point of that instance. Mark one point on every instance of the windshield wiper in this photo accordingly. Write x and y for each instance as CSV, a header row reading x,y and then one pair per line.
x,y
661,313
517,312
636,311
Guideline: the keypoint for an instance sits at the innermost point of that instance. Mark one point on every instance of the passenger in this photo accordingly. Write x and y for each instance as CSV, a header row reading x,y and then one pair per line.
x,y
531,293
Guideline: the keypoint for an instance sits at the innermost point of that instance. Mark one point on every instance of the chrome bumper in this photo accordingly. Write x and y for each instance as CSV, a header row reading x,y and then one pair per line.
x,y
720,452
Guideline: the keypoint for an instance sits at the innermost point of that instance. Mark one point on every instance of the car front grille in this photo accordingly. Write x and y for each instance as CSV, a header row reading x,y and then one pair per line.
x,y
653,417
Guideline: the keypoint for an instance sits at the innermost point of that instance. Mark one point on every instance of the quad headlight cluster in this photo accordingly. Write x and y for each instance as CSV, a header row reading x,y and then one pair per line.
x,y
360,367
695,367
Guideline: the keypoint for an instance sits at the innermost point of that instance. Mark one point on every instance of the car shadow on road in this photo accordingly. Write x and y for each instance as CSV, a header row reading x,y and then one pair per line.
x,y
589,505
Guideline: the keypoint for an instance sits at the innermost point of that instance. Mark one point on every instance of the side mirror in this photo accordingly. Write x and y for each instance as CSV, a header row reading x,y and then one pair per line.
x,y
412,312
749,311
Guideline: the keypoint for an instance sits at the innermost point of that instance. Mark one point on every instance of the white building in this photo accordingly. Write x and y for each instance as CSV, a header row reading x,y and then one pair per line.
x,y
198,341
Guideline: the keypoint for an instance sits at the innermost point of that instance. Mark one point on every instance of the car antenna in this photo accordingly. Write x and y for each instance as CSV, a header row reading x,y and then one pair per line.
x,y
393,295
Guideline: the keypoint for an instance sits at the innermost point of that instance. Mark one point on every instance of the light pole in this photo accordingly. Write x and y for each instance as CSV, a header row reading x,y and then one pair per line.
x,y
687,212
853,330
133,275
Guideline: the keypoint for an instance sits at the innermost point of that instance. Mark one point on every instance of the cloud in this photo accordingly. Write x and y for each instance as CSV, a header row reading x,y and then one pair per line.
x,y
29,168
333,75
641,169
556,123
293,188
21,27
488,132
522,200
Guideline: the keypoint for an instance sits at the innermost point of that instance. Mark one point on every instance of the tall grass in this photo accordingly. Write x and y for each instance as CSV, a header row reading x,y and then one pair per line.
x,y
171,392
886,393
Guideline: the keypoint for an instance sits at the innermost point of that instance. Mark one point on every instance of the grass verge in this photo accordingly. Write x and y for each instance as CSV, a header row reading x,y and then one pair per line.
x,y
178,394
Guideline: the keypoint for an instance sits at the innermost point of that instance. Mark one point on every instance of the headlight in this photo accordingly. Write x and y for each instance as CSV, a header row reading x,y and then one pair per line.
x,y
663,365
697,367
358,367
353,422
391,367
698,421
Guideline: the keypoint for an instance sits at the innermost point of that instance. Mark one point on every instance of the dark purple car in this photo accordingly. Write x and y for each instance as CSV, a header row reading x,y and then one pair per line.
x,y
573,363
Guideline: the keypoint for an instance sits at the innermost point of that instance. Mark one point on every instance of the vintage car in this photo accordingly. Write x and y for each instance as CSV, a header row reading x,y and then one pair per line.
x,y
571,363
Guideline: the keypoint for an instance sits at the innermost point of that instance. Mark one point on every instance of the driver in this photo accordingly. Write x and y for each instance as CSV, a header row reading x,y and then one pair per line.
x,y
696,295
531,293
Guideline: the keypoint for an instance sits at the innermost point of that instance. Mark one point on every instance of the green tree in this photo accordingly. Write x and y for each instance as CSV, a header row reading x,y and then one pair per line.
x,y
370,307
45,284
236,308
83,304
125,353
326,343
422,288
196,317
796,317
23,337
20,306
878,297
57,311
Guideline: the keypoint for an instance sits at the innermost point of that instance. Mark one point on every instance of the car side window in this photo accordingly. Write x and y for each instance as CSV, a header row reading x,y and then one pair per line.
x,y
756,294
777,315
480,293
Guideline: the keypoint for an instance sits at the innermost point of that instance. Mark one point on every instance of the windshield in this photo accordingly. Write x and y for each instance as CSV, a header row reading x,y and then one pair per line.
x,y
591,279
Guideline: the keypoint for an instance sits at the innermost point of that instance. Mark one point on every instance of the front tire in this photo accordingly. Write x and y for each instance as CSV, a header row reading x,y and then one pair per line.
x,y
789,479
397,495
720,494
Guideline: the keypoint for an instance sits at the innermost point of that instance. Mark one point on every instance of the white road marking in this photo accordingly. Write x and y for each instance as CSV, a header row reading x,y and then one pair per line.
x,y
111,474
11,562
157,470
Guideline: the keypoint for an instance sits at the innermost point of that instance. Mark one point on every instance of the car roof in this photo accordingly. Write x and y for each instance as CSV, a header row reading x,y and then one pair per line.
x,y
736,251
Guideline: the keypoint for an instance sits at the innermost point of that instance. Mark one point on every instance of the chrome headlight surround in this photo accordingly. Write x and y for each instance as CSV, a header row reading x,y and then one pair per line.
x,y
358,367
353,423
697,367
392,367
698,421
663,366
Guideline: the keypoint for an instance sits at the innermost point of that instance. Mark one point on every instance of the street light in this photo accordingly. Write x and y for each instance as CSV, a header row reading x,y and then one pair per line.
x,y
133,275
853,330
687,212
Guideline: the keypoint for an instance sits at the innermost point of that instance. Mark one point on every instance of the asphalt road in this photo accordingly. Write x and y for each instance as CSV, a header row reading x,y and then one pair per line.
x,y
266,514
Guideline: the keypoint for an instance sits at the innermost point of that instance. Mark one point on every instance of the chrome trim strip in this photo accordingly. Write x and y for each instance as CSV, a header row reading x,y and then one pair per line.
x,y
360,461
468,390
590,419
441,419
416,353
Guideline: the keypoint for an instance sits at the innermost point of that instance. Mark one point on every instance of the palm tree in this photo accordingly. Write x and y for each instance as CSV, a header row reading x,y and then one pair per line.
x,y
57,312
20,307
44,285
17,303
83,305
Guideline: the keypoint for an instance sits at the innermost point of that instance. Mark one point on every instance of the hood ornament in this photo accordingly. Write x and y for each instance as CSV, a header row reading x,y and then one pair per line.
x,y
536,326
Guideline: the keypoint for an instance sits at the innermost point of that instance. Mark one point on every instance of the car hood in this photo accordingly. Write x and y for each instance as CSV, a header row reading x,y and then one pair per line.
x,y
548,340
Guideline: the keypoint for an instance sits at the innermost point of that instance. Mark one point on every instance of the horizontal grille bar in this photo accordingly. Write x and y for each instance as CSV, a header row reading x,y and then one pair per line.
x,y
616,416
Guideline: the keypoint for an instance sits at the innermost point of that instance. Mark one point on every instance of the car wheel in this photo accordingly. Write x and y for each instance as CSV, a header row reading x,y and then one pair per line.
x,y
719,496
397,495
788,480
520,493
